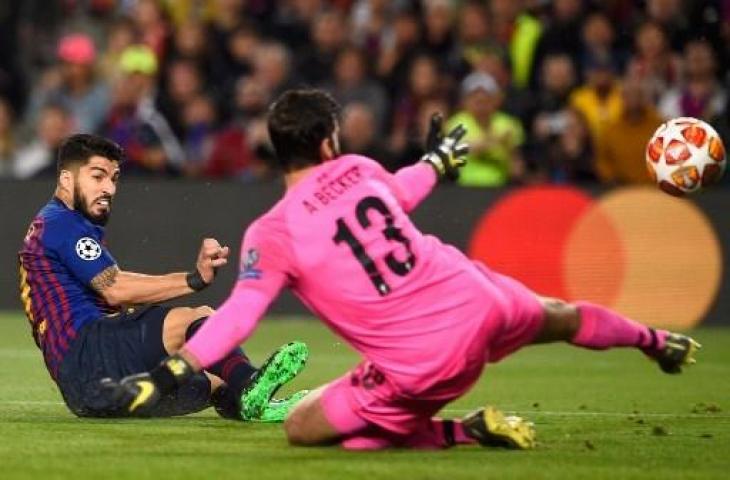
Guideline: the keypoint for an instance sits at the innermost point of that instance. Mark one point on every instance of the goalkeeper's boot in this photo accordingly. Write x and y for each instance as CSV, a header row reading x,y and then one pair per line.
x,y
679,350
492,428
277,409
282,366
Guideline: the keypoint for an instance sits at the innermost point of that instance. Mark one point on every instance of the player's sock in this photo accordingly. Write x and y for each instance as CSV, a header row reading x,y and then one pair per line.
x,y
602,328
436,434
452,432
235,368
440,433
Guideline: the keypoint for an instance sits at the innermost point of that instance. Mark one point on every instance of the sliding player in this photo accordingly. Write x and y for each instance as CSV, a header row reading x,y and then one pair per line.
x,y
76,298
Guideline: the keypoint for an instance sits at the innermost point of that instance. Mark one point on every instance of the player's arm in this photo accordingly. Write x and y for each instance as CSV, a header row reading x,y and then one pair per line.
x,y
264,272
119,287
442,160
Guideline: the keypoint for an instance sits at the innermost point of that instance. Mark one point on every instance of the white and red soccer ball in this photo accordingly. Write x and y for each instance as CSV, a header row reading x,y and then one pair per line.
x,y
684,155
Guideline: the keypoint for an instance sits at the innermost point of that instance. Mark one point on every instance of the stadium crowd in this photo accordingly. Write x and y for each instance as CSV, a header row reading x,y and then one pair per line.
x,y
550,90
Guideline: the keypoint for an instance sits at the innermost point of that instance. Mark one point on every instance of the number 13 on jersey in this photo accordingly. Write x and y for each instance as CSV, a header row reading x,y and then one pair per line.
x,y
390,232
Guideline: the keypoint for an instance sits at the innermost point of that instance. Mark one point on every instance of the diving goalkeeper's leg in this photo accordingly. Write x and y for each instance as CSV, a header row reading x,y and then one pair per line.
x,y
598,328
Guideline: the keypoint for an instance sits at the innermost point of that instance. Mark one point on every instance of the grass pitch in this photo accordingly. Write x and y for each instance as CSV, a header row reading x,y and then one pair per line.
x,y
598,415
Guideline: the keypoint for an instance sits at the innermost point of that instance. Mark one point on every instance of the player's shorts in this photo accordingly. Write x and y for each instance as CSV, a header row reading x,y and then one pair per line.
x,y
523,319
370,411
115,347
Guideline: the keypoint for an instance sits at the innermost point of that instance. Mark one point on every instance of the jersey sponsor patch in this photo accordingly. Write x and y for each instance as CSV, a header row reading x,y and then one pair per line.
x,y
248,266
88,249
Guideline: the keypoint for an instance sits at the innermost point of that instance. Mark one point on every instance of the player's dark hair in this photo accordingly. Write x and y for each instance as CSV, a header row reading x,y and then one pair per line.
x,y
299,120
80,147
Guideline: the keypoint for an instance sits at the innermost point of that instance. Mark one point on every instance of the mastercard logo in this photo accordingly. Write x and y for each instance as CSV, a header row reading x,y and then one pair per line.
x,y
652,257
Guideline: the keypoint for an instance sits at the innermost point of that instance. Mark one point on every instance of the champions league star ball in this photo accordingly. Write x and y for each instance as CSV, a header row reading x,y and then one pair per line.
x,y
684,155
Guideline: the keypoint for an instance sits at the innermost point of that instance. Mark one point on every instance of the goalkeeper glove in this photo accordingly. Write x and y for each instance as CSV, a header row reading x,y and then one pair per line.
x,y
138,393
445,154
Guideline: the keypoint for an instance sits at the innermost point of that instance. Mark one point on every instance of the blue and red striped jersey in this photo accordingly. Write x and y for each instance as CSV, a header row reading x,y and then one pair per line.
x,y
62,252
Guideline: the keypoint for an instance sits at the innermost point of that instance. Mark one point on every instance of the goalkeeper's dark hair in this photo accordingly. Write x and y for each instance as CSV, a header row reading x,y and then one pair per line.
x,y
77,149
299,120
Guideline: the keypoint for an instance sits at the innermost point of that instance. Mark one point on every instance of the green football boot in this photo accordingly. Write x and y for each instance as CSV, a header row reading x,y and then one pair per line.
x,y
277,409
282,366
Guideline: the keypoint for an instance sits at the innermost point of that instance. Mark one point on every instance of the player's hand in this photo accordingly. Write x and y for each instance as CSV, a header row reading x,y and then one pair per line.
x,y
445,154
211,256
135,394
435,132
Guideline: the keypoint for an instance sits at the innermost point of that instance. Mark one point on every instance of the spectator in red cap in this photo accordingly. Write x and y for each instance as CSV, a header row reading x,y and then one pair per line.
x,y
73,85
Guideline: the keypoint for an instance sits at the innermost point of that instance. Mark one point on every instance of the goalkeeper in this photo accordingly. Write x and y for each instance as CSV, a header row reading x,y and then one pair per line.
x,y
425,318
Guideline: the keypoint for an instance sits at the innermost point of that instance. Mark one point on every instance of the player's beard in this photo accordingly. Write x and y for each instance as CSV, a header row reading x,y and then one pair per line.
x,y
81,204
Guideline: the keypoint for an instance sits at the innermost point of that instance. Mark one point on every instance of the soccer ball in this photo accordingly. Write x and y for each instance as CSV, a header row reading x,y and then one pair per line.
x,y
684,155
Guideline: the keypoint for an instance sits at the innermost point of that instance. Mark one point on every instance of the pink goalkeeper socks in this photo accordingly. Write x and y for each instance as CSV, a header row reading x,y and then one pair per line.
x,y
602,328
440,433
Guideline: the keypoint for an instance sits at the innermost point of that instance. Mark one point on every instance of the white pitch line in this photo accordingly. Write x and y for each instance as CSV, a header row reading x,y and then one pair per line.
x,y
459,411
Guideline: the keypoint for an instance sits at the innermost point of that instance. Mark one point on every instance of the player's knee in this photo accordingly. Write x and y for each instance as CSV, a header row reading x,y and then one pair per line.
x,y
295,430
562,320
203,311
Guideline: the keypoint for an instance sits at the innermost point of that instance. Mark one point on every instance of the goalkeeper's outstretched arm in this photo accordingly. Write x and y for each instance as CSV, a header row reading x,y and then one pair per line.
x,y
442,160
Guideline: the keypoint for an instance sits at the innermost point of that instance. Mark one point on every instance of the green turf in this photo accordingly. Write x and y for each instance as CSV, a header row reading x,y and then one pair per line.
x,y
599,415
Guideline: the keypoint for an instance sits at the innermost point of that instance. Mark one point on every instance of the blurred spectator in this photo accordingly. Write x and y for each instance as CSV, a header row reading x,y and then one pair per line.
x,y
232,155
622,149
369,20
38,158
189,42
599,40
557,81
121,35
439,40
599,100
517,102
551,113
182,11
398,50
12,84
568,152
352,84
315,62
235,61
271,64
518,31
73,85
134,122
293,20
7,140
183,82
474,35
700,95
494,137
228,16
151,23
653,59
359,132
561,36
424,84
199,119
672,16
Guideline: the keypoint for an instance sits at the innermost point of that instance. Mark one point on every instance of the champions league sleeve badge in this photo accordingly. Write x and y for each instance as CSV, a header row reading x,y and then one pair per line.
x,y
88,249
248,266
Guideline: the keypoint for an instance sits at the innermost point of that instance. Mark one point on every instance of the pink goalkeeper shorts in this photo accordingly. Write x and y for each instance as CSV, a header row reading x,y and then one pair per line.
x,y
370,411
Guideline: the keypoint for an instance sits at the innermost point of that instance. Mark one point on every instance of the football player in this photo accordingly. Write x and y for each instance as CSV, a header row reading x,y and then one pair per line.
x,y
92,320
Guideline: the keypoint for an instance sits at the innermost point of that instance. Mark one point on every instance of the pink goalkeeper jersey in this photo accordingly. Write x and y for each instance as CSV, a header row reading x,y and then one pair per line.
x,y
341,239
